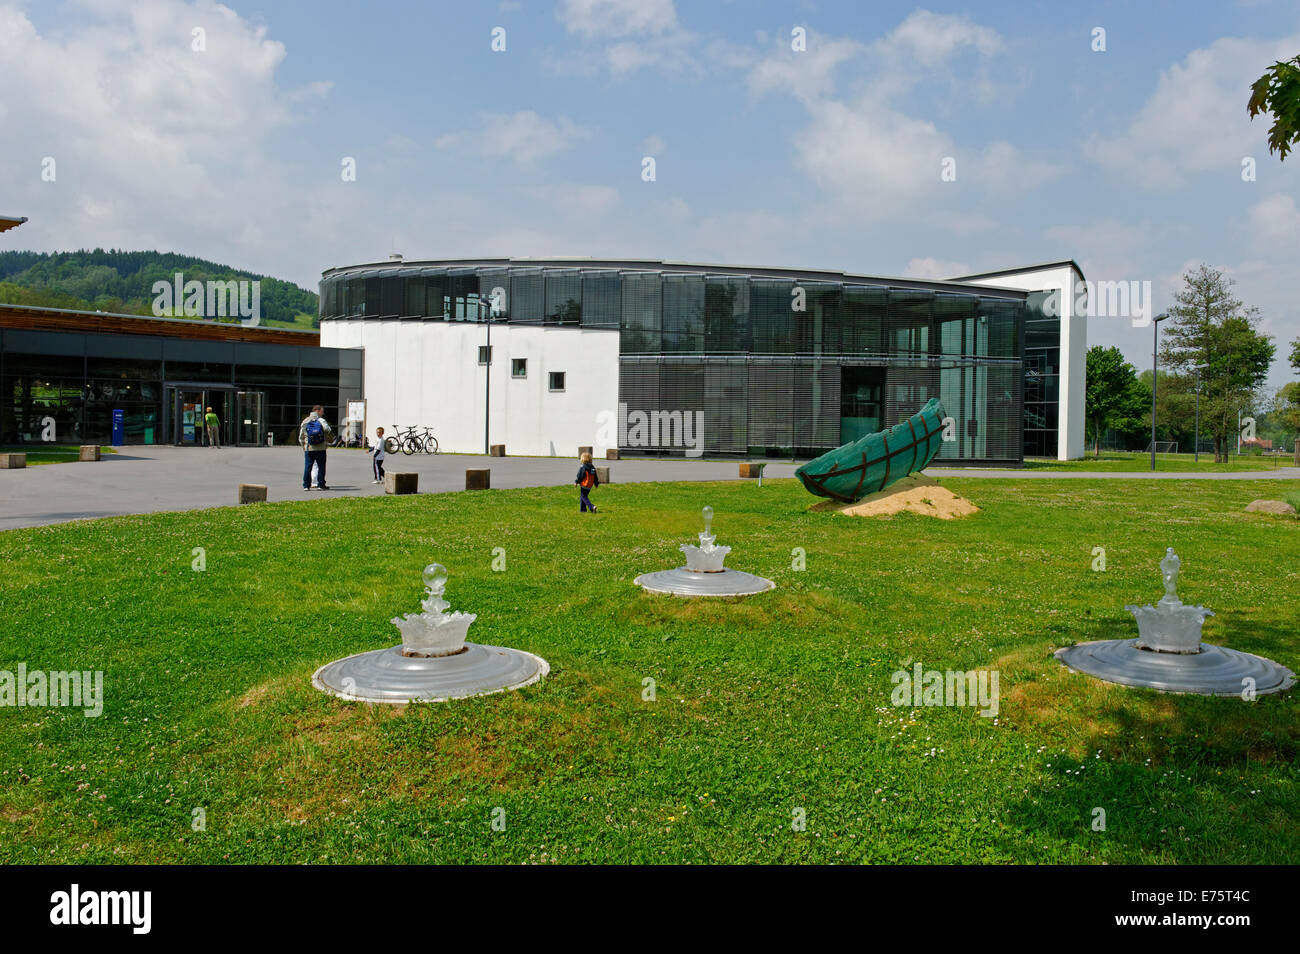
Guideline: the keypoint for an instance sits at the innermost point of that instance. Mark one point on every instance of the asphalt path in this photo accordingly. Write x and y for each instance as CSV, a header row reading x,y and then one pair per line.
x,y
164,478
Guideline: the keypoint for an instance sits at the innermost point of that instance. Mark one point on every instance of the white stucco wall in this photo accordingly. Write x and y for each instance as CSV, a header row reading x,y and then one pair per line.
x,y
427,372
1074,347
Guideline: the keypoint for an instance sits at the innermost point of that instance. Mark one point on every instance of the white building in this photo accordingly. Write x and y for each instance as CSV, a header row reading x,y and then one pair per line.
x,y
768,361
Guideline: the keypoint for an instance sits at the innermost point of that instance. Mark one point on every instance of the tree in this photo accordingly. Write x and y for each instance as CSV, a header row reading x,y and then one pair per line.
x,y
1113,394
1295,355
1287,409
1210,326
1278,92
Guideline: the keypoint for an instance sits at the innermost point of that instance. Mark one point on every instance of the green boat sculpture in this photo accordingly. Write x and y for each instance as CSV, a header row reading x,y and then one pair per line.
x,y
872,463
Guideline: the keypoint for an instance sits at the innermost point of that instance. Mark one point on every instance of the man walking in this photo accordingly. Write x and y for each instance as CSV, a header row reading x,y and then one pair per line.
x,y
314,435
214,428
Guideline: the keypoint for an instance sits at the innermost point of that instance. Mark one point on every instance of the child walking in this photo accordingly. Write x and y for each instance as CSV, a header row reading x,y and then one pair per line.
x,y
377,453
586,481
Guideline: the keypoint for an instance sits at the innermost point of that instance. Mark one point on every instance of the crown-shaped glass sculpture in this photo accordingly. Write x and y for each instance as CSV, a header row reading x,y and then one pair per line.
x,y
1170,626
435,632
707,557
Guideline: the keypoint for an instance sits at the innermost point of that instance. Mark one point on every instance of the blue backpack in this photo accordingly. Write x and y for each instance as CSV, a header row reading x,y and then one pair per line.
x,y
315,433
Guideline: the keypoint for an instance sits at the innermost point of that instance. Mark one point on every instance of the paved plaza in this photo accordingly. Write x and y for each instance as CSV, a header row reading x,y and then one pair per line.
x,y
165,478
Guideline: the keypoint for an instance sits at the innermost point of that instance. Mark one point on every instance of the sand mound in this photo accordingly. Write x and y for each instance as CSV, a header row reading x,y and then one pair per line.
x,y
915,493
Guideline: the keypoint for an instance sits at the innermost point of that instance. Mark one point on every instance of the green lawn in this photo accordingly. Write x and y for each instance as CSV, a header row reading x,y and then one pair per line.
x,y
1177,463
50,453
764,706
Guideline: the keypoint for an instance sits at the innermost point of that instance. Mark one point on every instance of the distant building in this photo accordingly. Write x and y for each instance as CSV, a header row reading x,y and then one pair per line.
x,y
72,369
772,361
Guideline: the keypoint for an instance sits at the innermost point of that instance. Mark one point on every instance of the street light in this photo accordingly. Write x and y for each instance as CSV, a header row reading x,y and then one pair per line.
x,y
1155,338
487,374
1196,447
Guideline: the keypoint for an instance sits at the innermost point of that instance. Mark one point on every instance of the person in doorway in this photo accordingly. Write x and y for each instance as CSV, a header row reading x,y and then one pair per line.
x,y
214,428
377,453
587,481
314,435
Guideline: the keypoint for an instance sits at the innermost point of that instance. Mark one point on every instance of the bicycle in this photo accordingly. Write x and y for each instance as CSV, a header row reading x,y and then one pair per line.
x,y
430,442
405,441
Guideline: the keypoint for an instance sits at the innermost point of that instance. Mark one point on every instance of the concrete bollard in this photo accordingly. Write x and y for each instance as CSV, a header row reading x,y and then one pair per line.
x,y
611,453
12,461
602,474
395,483
89,452
583,450
497,450
478,479
252,493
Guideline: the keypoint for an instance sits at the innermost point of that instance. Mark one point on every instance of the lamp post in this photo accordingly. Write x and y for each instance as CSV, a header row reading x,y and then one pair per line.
x,y
1196,446
487,376
1155,373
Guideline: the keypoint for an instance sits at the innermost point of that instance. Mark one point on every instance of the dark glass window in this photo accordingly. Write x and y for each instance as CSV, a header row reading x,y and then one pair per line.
x,y
726,315
683,314
771,315
909,320
601,299
564,297
555,381
527,296
416,301
863,321
642,313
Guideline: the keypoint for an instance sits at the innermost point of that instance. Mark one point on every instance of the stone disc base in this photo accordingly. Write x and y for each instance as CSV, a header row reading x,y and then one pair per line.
x,y
385,675
1214,671
684,582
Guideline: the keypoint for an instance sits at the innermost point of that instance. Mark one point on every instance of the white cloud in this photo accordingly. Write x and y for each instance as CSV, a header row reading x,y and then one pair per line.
x,y
1196,119
579,201
625,36
524,136
1275,223
932,38
617,18
807,76
873,158
147,132
936,268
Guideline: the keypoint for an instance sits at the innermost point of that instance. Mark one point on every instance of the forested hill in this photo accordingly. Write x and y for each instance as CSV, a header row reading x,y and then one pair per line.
x,y
112,280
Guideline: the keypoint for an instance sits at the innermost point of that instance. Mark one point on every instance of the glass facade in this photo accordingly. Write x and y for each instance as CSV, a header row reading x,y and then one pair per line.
x,y
1042,376
162,384
778,363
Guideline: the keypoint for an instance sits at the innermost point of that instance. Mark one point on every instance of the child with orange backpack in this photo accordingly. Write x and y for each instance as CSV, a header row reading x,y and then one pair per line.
x,y
586,481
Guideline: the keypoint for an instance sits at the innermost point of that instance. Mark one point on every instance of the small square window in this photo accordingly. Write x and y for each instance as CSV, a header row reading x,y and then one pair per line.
x,y
519,367
557,381
484,354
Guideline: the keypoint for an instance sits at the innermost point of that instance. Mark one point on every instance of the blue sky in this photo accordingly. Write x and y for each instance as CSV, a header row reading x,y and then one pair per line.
x,y
1127,160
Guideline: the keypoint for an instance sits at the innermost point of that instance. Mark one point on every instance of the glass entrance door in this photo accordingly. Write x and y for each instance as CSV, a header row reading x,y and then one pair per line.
x,y
250,417
188,407
187,416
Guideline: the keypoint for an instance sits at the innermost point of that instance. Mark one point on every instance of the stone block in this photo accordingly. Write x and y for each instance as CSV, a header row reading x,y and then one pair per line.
x,y
252,493
395,483
478,479
89,452
12,461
